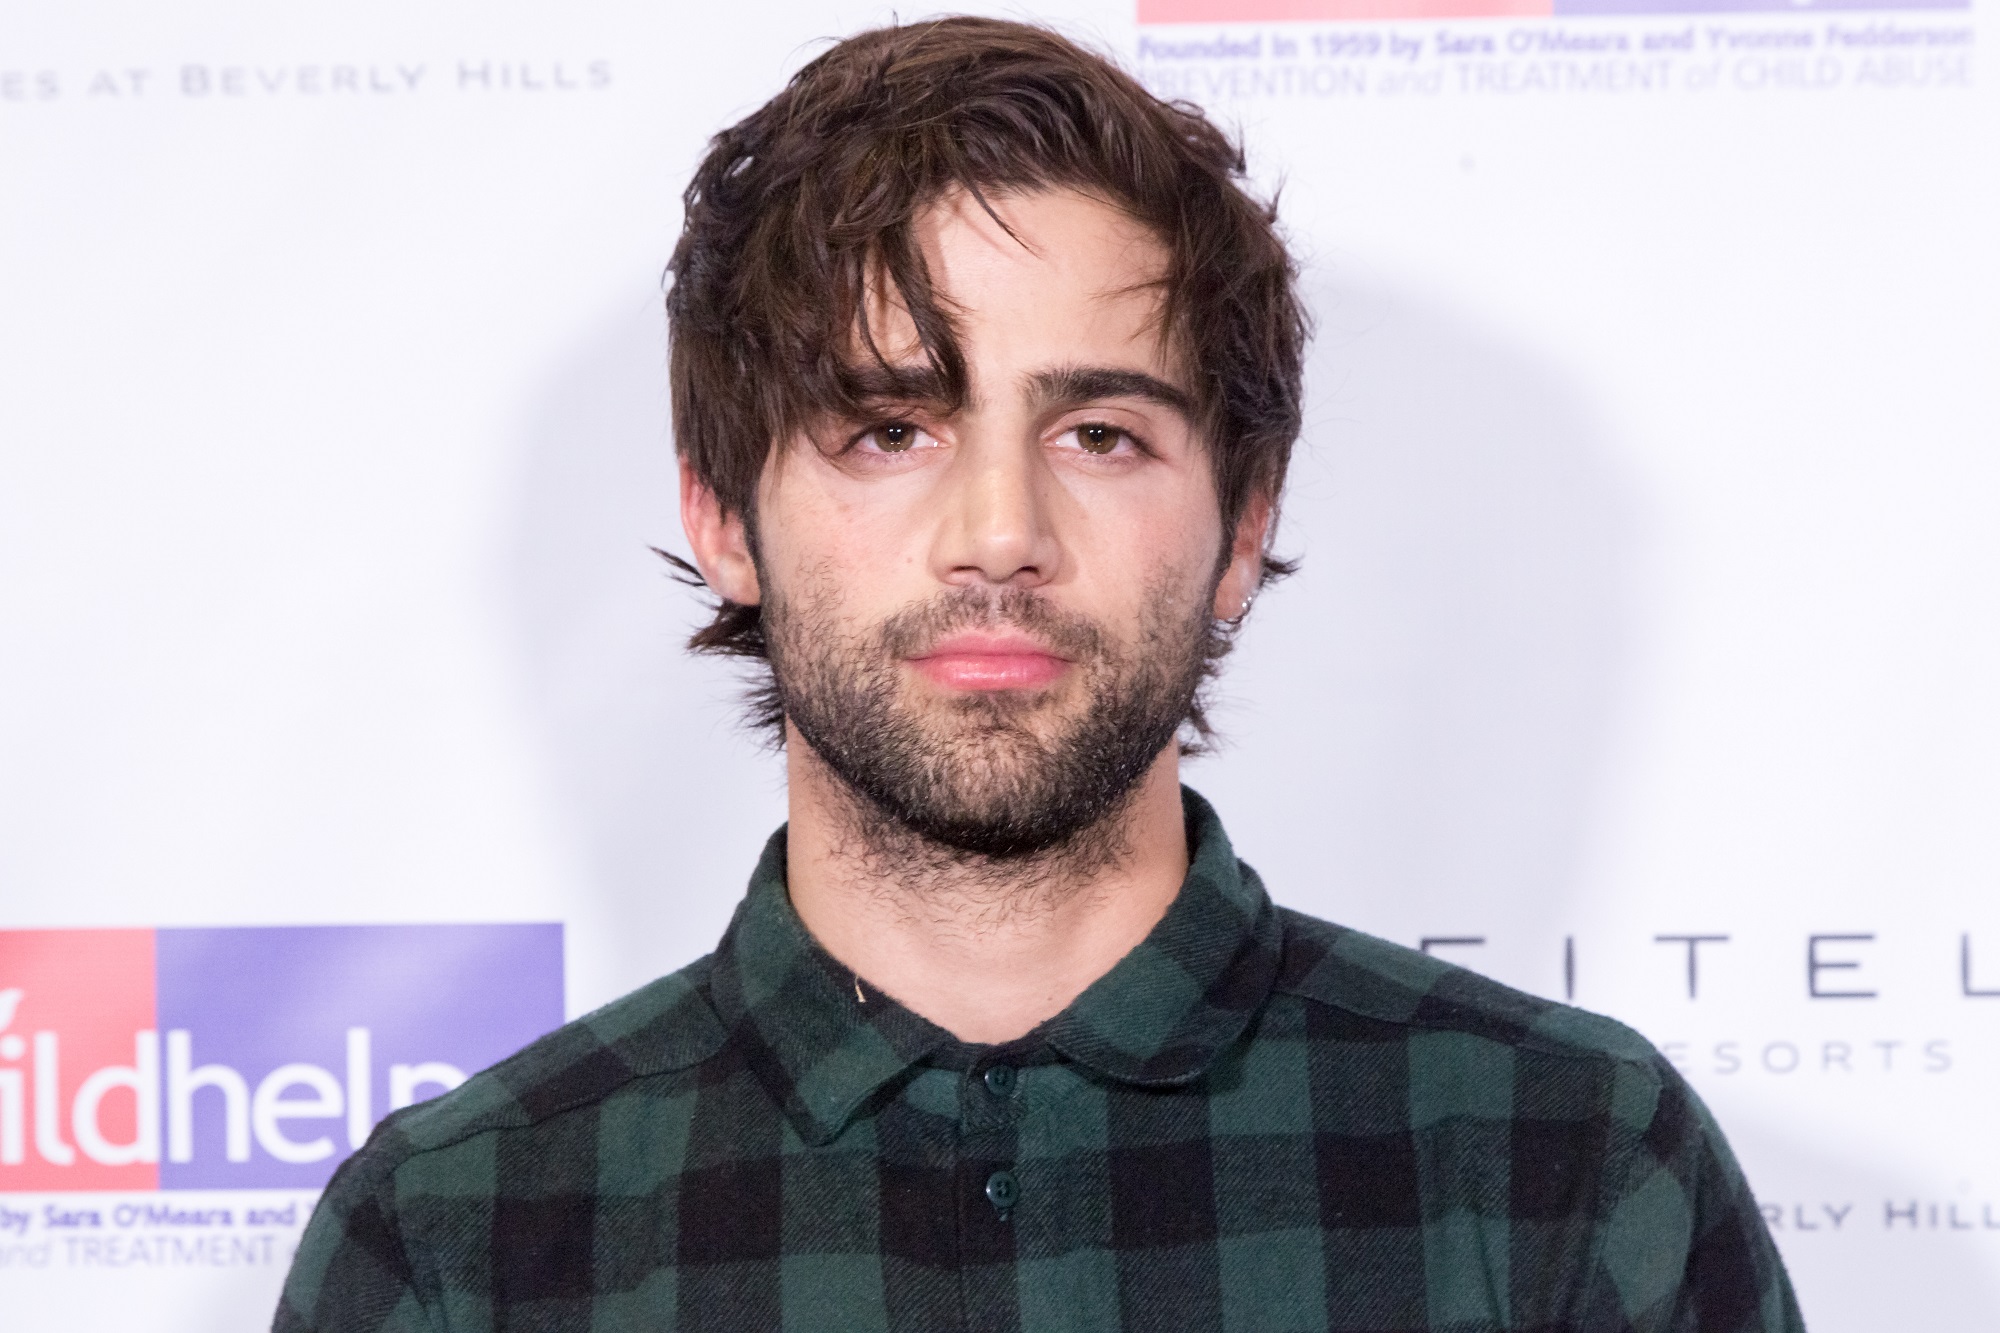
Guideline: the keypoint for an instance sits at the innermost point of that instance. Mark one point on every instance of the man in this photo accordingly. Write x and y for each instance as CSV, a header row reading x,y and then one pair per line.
x,y
985,373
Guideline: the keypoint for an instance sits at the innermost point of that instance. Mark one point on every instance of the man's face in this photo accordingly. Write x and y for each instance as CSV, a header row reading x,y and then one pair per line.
x,y
991,620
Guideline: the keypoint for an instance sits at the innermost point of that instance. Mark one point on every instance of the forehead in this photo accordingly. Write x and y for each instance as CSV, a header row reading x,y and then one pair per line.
x,y
1057,277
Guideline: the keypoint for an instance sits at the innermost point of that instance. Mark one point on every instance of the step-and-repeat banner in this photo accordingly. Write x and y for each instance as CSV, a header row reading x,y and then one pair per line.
x,y
1644,653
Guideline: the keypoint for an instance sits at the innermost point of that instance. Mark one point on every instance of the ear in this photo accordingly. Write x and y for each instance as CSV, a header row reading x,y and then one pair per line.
x,y
721,544
1245,571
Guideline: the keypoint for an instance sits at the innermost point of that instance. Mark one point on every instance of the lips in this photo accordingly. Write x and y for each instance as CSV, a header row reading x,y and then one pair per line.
x,y
991,662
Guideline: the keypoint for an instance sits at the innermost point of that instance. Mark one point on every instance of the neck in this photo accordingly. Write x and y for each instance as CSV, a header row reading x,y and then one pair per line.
x,y
985,948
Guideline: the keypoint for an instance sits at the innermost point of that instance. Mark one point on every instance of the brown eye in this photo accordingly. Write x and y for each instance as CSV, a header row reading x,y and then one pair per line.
x,y
1098,439
894,438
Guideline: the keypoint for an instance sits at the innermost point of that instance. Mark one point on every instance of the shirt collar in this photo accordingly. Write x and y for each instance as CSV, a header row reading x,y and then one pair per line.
x,y
823,1042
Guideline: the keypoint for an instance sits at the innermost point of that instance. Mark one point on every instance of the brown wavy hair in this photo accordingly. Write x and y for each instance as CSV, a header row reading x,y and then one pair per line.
x,y
798,206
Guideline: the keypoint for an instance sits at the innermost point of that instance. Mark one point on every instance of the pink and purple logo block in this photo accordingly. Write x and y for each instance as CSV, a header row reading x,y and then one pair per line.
x,y
246,1057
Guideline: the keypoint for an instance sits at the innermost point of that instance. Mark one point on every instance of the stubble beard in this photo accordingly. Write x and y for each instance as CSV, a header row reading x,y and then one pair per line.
x,y
1013,796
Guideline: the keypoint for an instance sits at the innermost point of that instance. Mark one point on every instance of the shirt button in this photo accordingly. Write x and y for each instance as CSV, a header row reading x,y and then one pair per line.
x,y
1003,1191
1000,1080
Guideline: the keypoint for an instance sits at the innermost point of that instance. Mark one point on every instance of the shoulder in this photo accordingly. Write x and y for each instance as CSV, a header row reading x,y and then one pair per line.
x,y
355,1251
1375,990
660,1029
1599,1128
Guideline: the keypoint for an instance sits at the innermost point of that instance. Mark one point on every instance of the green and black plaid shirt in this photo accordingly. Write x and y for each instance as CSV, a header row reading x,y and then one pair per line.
x,y
1256,1121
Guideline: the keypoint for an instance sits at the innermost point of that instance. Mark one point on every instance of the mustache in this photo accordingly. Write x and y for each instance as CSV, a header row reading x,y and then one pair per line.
x,y
916,629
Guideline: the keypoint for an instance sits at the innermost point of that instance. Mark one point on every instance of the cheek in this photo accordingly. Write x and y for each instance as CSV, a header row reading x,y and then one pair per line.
x,y
816,535
1170,535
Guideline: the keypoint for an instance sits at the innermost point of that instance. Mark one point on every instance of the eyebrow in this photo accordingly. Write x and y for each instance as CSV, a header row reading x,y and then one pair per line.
x,y
1064,386
1070,385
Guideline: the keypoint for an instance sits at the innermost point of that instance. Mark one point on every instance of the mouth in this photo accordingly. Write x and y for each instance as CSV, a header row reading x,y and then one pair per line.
x,y
991,662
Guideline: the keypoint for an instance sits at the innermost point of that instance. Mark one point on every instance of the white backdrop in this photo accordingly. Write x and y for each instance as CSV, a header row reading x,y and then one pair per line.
x,y
1651,581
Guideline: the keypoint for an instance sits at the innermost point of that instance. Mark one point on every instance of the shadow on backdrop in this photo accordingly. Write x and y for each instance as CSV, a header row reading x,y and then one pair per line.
x,y
1422,717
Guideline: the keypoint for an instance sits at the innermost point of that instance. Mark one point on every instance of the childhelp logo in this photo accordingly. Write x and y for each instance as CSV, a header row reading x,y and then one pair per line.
x,y
246,1058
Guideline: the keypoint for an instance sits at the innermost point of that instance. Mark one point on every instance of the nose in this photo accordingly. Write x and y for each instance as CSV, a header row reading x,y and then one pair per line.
x,y
996,524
